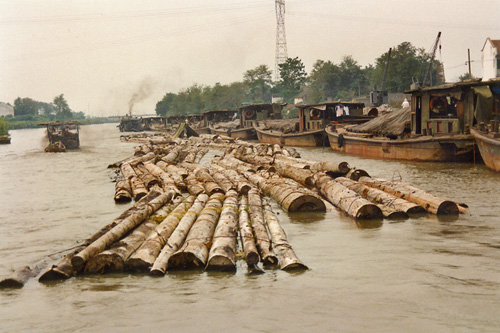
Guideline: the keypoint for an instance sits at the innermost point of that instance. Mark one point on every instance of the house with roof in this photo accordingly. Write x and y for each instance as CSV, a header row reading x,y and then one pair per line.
x,y
490,58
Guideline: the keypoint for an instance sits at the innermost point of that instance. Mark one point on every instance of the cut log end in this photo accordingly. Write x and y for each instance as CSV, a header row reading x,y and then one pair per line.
x,y
270,260
252,258
53,274
11,283
157,273
369,212
294,267
185,260
306,203
137,265
448,208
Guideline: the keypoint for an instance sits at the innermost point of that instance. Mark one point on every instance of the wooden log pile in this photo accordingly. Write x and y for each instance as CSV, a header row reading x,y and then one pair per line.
x,y
190,214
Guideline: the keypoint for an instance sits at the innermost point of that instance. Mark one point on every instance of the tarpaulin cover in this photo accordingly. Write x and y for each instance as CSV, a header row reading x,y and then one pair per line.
x,y
389,124
484,103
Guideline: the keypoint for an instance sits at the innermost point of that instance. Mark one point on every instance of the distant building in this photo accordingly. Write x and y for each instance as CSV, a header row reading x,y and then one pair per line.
x,y
6,109
490,58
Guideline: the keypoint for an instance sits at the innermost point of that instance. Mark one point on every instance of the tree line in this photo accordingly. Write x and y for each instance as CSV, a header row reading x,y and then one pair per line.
x,y
58,109
326,81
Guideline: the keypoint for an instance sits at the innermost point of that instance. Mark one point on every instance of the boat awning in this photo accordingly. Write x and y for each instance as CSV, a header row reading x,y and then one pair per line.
x,y
484,103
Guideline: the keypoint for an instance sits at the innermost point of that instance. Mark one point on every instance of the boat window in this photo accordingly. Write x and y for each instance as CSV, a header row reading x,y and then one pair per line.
x,y
443,107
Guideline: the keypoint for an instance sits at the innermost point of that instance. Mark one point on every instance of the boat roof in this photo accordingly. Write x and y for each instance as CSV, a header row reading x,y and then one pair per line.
x,y
326,104
216,111
249,106
454,85
59,123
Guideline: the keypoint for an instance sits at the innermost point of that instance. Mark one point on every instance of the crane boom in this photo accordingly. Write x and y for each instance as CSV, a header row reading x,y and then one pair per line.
x,y
429,66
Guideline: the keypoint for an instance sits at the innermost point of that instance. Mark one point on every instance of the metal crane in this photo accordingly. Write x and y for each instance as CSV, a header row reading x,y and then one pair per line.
x,y
377,96
427,77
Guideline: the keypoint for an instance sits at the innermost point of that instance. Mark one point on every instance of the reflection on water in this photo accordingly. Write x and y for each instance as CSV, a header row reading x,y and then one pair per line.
x,y
426,273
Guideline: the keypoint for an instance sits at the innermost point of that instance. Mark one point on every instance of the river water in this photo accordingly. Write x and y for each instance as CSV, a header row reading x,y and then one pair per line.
x,y
423,274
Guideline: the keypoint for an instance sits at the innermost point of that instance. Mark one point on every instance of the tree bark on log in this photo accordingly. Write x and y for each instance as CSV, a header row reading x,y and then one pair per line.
x,y
145,175
138,188
381,197
222,254
207,181
113,259
222,181
127,171
172,155
348,201
287,258
247,239
178,236
303,176
194,252
147,253
242,185
428,201
123,191
259,228
167,182
64,269
194,187
121,229
19,277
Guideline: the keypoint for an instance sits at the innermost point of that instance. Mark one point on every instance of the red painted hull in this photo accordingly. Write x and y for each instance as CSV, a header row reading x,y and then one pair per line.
x,y
489,149
453,148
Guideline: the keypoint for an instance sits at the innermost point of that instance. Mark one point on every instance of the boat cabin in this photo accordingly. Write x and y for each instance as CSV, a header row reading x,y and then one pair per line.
x,y
62,135
255,112
218,116
453,108
130,124
314,117
154,123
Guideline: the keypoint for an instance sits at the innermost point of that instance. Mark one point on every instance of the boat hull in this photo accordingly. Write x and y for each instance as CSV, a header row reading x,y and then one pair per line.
x,y
489,148
303,139
240,133
453,148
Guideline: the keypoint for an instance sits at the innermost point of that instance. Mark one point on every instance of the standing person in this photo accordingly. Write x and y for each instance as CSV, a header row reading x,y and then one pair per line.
x,y
405,103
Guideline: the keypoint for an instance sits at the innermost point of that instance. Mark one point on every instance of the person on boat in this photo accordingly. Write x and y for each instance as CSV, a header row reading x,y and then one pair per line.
x,y
339,110
405,103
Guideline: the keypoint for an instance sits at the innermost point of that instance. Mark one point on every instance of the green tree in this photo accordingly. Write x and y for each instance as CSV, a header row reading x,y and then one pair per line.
x,y
464,77
25,106
259,82
4,127
165,106
63,112
292,77
407,64
324,81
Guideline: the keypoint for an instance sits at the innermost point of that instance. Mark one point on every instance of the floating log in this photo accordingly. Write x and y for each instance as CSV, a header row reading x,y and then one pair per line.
x,y
19,277
287,257
259,228
172,155
246,234
146,176
348,201
381,197
194,252
428,201
194,187
127,171
123,191
113,259
356,174
139,189
222,181
121,229
303,176
64,269
222,254
147,253
242,185
167,182
178,236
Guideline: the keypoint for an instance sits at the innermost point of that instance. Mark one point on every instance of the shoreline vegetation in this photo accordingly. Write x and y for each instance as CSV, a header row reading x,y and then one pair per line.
x,y
31,121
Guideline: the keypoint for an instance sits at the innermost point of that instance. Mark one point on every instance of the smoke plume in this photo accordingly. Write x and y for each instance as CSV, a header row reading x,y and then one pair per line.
x,y
144,90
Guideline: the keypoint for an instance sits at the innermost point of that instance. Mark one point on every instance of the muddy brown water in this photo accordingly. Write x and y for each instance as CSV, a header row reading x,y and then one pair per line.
x,y
422,274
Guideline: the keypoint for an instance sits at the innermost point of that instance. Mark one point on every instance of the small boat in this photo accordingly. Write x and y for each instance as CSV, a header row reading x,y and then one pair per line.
x,y
62,135
212,117
308,129
157,124
436,127
242,127
4,139
488,143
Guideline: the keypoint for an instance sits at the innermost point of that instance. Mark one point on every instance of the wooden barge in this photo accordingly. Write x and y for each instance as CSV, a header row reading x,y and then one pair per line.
x,y
312,121
130,124
211,117
247,114
436,127
489,148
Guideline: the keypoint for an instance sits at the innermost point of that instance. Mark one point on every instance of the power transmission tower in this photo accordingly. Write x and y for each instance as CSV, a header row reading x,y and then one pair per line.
x,y
281,53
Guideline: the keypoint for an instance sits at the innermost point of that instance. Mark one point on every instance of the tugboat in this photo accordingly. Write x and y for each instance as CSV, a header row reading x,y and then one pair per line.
x,y
62,136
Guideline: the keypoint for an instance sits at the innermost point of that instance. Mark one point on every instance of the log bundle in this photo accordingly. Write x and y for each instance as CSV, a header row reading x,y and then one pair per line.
x,y
188,215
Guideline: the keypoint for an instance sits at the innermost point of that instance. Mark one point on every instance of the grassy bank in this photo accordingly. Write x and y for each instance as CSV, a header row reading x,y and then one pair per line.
x,y
31,121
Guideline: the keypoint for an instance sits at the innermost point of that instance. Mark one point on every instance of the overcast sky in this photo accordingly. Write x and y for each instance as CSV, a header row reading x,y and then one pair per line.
x,y
99,53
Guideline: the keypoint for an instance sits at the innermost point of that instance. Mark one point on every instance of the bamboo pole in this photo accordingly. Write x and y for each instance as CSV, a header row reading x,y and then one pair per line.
x,y
222,254
178,236
287,257
147,253
118,231
194,252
